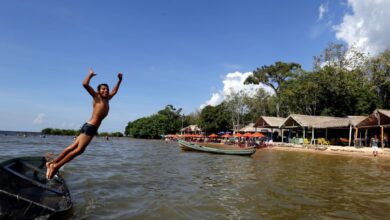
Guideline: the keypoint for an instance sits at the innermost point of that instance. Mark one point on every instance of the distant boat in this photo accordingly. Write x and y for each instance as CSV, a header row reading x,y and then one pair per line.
x,y
25,193
194,147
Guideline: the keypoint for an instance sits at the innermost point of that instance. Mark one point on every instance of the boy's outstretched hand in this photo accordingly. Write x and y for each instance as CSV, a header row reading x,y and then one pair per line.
x,y
120,76
91,72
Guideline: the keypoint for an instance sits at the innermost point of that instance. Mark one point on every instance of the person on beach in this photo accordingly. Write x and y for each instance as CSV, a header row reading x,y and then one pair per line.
x,y
374,145
101,99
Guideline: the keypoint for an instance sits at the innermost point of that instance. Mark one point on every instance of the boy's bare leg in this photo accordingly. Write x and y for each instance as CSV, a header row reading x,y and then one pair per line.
x,y
68,149
64,152
83,141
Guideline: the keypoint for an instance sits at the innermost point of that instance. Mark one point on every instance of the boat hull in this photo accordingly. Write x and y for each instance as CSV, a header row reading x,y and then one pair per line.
x,y
25,193
187,146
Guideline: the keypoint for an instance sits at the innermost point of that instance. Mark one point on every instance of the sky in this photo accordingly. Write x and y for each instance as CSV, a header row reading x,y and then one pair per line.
x,y
185,53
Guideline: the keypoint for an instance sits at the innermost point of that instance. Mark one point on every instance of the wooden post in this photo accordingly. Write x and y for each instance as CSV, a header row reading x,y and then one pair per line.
x,y
312,134
282,135
356,136
365,137
382,131
326,133
350,136
303,133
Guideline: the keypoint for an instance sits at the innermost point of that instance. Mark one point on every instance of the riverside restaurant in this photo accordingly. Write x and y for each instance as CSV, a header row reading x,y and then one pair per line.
x,y
326,130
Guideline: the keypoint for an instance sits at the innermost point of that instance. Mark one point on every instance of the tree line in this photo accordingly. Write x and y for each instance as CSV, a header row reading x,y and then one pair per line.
x,y
71,132
343,82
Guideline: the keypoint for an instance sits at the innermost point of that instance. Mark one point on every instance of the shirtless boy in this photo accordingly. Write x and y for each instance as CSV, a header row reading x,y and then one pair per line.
x,y
101,98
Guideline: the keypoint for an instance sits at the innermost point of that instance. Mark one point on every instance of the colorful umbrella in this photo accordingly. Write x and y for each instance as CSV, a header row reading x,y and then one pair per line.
x,y
213,135
238,135
248,135
226,136
258,135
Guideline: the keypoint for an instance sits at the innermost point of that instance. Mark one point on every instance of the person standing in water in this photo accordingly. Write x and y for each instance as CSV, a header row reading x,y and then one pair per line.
x,y
374,145
101,99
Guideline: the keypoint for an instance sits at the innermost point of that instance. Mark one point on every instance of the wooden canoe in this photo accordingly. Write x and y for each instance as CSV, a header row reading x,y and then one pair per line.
x,y
25,193
195,147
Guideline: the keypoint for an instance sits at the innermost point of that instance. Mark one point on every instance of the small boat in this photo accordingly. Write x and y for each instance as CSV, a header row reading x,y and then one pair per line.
x,y
194,147
25,193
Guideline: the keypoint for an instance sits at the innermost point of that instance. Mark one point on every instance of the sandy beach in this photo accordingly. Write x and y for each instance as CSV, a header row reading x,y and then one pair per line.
x,y
318,149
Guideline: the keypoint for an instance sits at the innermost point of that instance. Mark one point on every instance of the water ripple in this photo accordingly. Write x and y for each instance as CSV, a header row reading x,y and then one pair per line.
x,y
145,179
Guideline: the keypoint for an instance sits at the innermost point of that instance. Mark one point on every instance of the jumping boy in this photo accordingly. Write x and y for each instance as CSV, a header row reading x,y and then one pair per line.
x,y
101,98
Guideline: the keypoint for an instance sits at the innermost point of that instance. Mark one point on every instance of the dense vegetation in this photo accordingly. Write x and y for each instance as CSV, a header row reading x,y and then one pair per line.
x,y
166,121
70,132
343,82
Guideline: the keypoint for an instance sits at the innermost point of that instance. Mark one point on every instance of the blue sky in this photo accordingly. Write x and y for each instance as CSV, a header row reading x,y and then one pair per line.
x,y
170,52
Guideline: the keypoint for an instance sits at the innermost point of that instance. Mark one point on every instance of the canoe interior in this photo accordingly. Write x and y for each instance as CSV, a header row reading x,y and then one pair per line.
x,y
25,193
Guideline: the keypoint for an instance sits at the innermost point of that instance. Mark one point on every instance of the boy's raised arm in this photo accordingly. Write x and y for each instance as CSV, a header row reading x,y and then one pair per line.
x,y
86,83
116,87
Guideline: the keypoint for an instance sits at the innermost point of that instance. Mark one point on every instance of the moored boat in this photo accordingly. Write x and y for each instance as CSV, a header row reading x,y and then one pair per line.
x,y
195,147
25,193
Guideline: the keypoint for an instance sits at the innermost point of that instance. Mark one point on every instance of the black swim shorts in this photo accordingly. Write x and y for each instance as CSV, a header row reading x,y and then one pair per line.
x,y
88,129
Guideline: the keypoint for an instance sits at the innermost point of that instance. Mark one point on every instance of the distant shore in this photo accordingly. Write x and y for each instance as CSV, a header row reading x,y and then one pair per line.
x,y
319,149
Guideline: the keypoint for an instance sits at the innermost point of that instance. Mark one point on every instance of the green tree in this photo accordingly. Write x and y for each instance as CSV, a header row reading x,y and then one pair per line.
x,y
275,76
237,108
257,105
344,92
215,119
379,70
166,121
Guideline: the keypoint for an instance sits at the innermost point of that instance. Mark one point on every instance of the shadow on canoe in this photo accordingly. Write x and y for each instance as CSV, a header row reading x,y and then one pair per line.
x,y
25,193
187,146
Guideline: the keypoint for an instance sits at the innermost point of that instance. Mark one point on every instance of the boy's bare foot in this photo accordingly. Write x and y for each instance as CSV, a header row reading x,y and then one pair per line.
x,y
47,170
52,171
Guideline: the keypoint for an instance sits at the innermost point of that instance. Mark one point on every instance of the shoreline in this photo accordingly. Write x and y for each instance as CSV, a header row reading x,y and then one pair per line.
x,y
317,149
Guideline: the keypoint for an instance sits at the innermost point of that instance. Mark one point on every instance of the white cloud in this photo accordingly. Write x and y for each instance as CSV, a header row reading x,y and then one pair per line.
x,y
322,10
234,82
39,119
367,26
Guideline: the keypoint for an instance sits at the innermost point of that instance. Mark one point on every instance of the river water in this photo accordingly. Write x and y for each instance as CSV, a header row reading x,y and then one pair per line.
x,y
144,179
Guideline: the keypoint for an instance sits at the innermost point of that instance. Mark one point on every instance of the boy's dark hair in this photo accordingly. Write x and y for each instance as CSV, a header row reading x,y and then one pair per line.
x,y
102,84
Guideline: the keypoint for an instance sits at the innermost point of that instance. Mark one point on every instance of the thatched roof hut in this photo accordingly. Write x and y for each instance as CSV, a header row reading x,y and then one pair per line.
x,y
377,122
191,129
379,117
308,122
269,122
249,128
355,120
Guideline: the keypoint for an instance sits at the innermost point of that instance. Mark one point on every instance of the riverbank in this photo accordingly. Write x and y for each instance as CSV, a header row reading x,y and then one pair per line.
x,y
319,149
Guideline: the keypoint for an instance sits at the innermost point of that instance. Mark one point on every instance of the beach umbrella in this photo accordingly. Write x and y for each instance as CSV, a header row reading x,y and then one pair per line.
x,y
258,135
238,135
226,136
213,135
247,135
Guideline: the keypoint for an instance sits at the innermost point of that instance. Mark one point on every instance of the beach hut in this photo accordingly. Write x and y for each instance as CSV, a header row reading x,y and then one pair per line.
x,y
269,124
305,124
191,129
248,128
378,122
